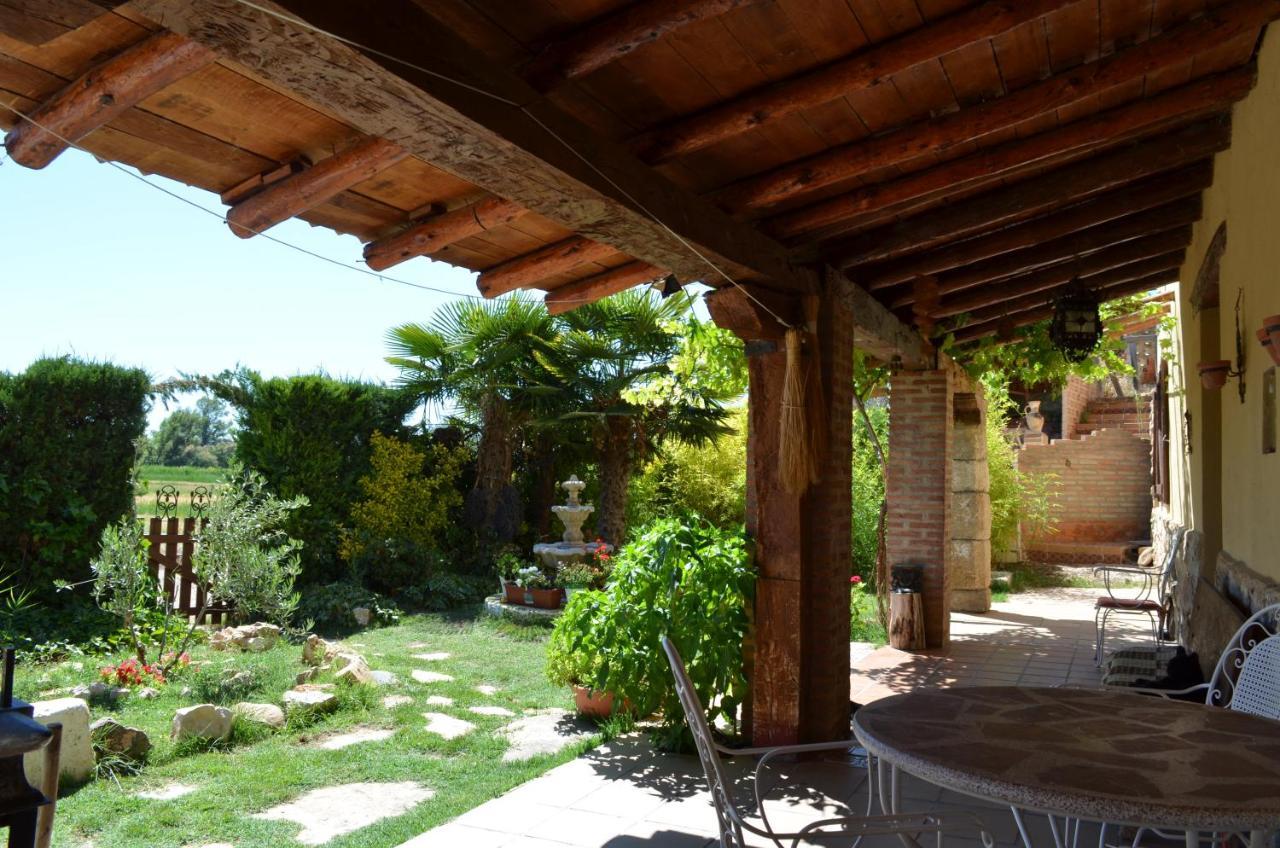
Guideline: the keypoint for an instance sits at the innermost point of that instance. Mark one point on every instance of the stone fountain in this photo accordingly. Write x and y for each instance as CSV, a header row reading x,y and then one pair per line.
x,y
572,547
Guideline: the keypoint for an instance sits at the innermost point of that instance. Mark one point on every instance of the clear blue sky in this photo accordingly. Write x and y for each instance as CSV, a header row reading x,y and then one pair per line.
x,y
97,264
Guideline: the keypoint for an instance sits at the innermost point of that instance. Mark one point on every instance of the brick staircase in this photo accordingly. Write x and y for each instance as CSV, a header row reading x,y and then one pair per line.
x,y
1133,415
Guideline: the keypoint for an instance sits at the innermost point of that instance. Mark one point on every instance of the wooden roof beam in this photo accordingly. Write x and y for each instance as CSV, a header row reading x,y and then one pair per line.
x,y
1115,209
545,262
102,94
1144,231
993,165
974,332
1037,195
435,232
572,295
308,188
1173,47
867,67
612,36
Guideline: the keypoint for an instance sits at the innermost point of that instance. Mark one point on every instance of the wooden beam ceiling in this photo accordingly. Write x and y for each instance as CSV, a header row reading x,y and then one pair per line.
x,y
863,69
1171,48
102,94
572,295
1149,193
435,232
1028,198
533,268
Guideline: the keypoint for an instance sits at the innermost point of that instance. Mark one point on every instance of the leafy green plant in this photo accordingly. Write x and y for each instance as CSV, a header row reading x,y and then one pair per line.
x,y
330,608
577,575
707,479
218,684
122,581
1017,499
446,591
532,577
681,577
864,619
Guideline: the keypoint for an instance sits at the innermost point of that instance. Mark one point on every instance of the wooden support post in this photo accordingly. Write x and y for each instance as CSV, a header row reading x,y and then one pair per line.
x,y
435,232
102,94
608,38
1112,210
1169,49
308,188
575,294
543,263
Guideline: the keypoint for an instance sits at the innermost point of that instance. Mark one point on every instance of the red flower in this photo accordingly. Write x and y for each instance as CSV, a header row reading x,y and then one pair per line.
x,y
855,579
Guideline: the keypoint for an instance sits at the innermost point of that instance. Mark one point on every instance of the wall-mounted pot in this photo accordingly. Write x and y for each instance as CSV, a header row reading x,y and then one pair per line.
x,y
1214,373
1270,343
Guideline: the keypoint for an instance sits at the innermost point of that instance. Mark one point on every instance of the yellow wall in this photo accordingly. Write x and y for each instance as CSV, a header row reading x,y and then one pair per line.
x,y
1246,194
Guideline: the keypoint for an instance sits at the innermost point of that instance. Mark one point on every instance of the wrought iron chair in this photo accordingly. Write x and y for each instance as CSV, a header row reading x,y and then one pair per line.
x,y
733,823
1152,599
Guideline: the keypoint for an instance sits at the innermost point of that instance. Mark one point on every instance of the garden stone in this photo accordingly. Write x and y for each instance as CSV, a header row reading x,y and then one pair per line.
x,y
545,732
430,676
77,744
203,721
268,714
352,668
384,678
486,689
307,699
146,693
446,726
492,711
131,743
255,638
392,701
440,701
362,615
361,734
333,811
316,651
431,657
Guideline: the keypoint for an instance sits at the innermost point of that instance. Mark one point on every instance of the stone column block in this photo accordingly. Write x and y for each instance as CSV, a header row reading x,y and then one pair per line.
x,y
76,763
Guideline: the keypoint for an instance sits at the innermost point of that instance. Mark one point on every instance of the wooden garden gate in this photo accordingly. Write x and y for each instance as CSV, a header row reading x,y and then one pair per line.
x,y
172,544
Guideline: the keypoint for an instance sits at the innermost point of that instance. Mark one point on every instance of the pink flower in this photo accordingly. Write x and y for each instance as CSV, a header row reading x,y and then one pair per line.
x,y
855,579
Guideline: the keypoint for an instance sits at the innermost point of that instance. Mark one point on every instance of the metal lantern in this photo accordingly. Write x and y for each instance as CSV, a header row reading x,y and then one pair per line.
x,y
1076,326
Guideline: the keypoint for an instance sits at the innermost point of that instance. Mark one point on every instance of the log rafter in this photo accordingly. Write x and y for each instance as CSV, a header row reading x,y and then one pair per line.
x,y
532,268
1173,47
572,295
102,94
433,233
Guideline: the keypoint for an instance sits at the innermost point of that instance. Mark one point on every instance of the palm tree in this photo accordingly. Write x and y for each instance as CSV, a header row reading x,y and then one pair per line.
x,y
607,360
485,356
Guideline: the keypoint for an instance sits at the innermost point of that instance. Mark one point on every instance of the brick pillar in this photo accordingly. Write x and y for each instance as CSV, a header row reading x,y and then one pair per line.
x,y
918,489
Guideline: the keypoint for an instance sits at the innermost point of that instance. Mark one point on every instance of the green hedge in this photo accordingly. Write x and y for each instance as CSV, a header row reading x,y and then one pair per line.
x,y
310,435
68,434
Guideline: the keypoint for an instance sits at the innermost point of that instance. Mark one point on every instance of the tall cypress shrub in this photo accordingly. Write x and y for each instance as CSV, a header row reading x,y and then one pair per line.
x,y
68,434
310,435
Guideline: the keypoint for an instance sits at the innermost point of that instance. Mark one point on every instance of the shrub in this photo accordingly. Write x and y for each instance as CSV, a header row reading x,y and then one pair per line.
x,y
217,684
122,581
868,489
446,591
1017,499
312,436
681,577
68,430
330,608
708,480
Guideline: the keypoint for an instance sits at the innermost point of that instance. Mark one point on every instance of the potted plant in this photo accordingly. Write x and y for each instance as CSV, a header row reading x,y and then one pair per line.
x,y
1214,373
538,590
576,660
509,565
576,577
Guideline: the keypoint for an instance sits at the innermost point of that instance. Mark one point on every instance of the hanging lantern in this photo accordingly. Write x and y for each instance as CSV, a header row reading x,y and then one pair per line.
x,y
1076,326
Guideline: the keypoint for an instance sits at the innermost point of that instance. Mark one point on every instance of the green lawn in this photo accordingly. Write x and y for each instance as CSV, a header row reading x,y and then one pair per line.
x,y
255,775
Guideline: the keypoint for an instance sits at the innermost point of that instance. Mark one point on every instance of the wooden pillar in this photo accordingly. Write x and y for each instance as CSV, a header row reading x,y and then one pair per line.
x,y
799,662
918,489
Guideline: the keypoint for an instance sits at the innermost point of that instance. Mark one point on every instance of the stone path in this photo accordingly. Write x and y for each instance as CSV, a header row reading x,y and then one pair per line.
x,y
336,810
168,792
435,656
339,741
440,701
431,676
392,701
447,726
545,732
492,711
486,689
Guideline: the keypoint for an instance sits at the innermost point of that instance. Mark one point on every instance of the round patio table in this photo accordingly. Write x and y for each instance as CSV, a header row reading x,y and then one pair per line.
x,y
1097,755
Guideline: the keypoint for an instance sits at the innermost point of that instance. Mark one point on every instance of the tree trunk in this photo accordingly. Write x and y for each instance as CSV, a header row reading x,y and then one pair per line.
x,y
616,462
544,486
493,470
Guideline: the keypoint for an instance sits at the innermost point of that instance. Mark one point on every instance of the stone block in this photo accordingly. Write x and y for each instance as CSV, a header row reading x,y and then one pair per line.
x,y
970,563
970,516
970,475
971,600
268,714
969,443
204,721
131,743
76,764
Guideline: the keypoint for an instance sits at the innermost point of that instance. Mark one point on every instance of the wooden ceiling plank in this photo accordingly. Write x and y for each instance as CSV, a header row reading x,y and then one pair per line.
x,y
527,270
1174,47
1037,195
428,235
1152,228
38,23
104,93
612,36
312,186
572,295
989,165
864,69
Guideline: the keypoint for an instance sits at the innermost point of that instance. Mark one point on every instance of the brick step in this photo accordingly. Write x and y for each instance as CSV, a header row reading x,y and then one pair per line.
x,y
1083,553
1118,403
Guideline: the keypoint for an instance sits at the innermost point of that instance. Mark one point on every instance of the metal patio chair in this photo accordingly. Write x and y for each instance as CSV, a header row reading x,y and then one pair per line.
x,y
731,820
1151,600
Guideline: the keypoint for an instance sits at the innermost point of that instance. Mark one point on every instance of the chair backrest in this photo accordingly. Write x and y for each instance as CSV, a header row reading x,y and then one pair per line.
x,y
696,716
1247,677
1168,569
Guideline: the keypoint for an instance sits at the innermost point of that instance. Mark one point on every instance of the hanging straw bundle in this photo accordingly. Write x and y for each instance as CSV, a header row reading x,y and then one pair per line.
x,y
796,467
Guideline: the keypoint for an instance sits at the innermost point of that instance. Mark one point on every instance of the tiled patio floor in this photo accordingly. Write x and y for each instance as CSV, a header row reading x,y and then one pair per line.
x,y
627,795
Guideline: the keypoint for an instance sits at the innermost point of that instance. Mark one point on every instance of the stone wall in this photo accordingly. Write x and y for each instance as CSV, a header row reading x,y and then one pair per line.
x,y
1102,490
970,506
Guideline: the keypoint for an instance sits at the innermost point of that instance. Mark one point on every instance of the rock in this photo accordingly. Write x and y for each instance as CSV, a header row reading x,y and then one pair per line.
x,y
131,743
77,760
486,689
309,699
430,676
316,651
440,701
492,711
338,741
384,678
146,693
545,732
203,721
307,676
362,615
95,691
328,813
268,714
186,692
352,668
233,680
447,726
392,701
247,637
433,656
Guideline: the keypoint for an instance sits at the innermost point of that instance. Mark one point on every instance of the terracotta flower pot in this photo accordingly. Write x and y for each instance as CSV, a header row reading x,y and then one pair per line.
x,y
592,704
1269,343
1271,323
544,598
1213,374
512,594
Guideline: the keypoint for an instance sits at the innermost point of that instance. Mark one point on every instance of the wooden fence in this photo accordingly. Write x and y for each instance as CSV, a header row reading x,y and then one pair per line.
x,y
172,544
